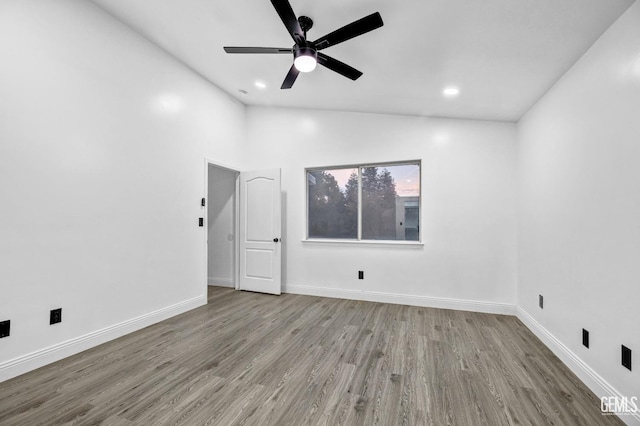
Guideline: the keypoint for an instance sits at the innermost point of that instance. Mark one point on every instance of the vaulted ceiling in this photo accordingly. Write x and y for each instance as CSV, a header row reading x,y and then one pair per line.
x,y
503,55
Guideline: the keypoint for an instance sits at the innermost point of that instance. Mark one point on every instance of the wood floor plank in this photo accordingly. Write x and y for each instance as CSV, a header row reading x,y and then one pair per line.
x,y
253,359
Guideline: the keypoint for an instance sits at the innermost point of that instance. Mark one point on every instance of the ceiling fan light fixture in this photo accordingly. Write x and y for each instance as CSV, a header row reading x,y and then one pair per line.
x,y
305,59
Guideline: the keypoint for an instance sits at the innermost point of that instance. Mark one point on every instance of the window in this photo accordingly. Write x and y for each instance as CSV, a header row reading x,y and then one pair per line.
x,y
364,202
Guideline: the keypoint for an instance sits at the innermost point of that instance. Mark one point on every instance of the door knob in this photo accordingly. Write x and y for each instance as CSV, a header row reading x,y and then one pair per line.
x,y
275,240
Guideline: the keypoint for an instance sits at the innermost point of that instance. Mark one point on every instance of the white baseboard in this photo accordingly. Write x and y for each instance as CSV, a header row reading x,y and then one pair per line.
x,y
404,299
220,282
593,380
42,357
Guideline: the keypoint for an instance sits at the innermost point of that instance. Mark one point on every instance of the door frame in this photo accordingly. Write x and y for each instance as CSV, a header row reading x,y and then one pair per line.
x,y
236,237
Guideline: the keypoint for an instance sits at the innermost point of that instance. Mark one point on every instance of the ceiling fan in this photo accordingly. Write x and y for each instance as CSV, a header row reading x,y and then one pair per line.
x,y
306,54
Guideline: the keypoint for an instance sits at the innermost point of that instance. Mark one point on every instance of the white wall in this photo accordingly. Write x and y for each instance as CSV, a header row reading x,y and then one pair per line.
x,y
579,207
102,141
469,206
221,226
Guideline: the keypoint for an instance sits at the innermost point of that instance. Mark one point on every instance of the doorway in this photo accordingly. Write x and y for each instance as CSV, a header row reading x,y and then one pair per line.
x,y
243,228
222,226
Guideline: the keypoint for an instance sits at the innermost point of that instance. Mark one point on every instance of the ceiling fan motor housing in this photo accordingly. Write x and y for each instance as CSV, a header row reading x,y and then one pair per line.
x,y
307,50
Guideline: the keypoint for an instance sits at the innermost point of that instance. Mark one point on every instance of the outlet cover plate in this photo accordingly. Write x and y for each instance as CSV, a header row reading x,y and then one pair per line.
x,y
5,328
626,357
585,337
55,316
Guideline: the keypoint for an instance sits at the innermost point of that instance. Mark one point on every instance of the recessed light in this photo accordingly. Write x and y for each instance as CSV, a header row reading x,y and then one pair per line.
x,y
451,91
260,84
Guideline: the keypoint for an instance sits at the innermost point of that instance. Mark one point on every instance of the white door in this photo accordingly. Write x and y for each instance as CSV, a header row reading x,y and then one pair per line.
x,y
260,247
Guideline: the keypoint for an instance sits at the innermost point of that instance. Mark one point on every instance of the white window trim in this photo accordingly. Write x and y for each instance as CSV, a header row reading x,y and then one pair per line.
x,y
397,243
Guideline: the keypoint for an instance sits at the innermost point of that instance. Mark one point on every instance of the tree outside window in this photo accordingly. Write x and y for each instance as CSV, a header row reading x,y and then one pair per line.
x,y
384,199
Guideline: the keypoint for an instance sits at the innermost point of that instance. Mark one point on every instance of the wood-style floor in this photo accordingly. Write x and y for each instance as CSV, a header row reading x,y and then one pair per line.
x,y
252,359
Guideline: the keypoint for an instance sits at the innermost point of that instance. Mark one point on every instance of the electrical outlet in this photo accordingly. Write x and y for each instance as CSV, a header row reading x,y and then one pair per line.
x,y
361,275
585,337
55,316
5,328
541,301
201,221
626,357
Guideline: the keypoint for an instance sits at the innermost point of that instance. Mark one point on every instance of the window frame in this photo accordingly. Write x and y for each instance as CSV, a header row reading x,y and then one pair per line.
x,y
359,239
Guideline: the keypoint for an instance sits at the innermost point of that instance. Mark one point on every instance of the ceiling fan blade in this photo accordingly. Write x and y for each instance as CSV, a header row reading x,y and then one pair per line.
x,y
289,19
257,50
339,67
290,78
354,29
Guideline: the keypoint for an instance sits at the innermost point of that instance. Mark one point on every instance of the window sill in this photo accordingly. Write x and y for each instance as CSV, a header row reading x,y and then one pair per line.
x,y
386,243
